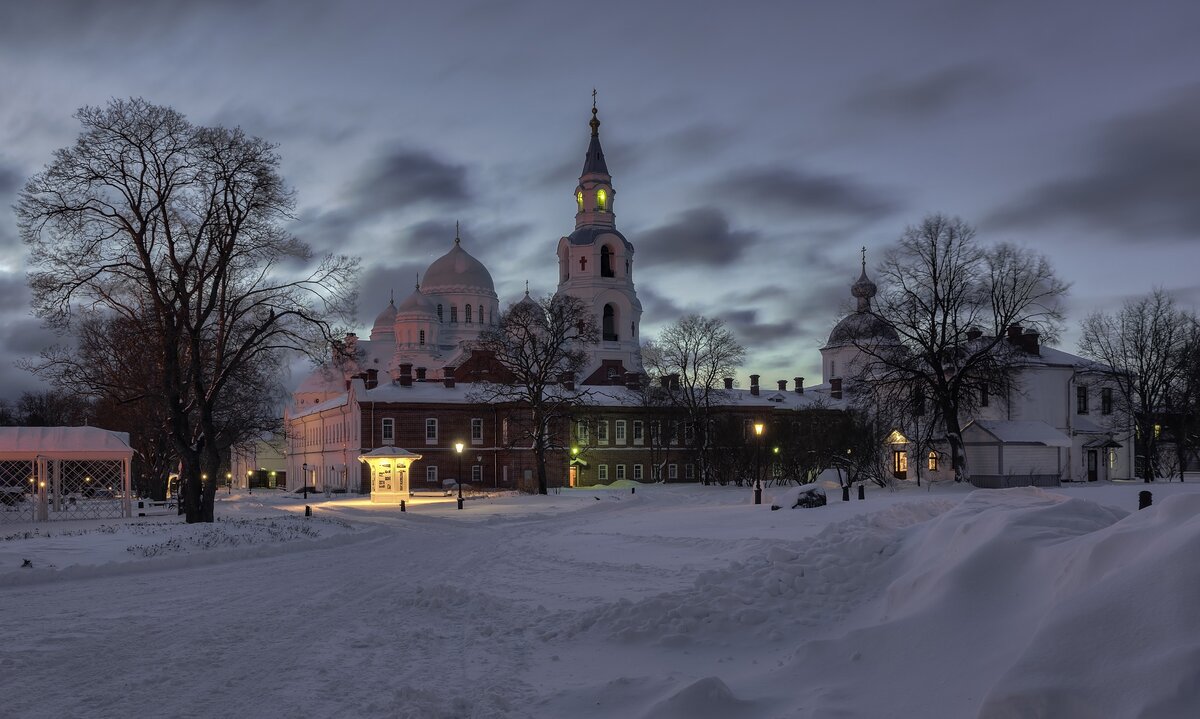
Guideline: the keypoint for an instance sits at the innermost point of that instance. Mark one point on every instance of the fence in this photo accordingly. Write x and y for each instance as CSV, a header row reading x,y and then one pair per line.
x,y
44,489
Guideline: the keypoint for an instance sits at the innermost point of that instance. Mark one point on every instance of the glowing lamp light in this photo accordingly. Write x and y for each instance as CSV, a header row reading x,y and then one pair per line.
x,y
758,428
776,450
458,447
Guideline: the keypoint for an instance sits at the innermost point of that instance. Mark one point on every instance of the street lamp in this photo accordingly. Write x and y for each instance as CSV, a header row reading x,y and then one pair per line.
x,y
304,481
758,431
458,448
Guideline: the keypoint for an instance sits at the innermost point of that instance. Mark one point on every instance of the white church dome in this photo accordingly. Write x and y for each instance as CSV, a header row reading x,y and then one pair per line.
x,y
385,324
457,270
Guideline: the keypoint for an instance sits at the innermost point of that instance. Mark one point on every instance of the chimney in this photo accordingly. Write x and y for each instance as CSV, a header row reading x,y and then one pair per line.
x,y
1029,342
754,385
1014,333
372,378
674,379
405,374
448,377
665,381
420,374
799,385
632,380
728,382
974,333
835,388
783,385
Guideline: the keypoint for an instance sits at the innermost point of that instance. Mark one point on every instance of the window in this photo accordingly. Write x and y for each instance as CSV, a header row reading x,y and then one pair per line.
x,y
638,432
1106,400
504,431
602,473
620,431
388,429
477,431
439,313
579,199
637,472
655,431
899,462
476,473
983,395
431,474
832,368
609,329
606,265
431,433
581,431
689,471
421,334
620,471
673,471
480,314
453,314
601,200
467,314
933,461
689,432
1081,400
602,432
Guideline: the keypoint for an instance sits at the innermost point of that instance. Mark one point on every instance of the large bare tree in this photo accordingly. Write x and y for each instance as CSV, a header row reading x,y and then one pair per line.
x,y
1145,350
542,347
695,353
950,300
180,228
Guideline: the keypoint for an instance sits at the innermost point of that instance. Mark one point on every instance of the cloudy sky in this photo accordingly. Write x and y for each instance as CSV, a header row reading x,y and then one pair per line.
x,y
755,146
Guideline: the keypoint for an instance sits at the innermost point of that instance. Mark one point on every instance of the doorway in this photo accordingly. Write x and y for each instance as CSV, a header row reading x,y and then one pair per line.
x,y
1093,473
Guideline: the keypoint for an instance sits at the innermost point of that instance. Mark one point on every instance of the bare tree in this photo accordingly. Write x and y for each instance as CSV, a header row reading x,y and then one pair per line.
x,y
950,301
694,353
157,221
1140,348
542,347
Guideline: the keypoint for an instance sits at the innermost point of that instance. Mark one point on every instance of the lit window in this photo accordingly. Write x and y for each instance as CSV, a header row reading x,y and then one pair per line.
x,y
431,431
933,461
601,200
389,430
476,431
899,462
579,199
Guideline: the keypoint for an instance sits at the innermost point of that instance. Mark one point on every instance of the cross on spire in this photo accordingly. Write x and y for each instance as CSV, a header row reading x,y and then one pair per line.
x,y
456,238
593,98
526,288
864,258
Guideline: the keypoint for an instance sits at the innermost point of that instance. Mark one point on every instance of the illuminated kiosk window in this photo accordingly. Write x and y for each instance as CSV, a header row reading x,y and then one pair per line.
x,y
389,473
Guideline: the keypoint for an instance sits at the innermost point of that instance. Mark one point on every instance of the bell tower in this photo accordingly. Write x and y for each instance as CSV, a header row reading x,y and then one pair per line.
x,y
595,264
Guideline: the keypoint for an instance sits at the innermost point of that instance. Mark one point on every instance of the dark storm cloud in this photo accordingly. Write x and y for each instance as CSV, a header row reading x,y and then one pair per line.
x,y
807,194
1143,182
378,282
404,177
701,236
929,94
756,334
657,307
28,24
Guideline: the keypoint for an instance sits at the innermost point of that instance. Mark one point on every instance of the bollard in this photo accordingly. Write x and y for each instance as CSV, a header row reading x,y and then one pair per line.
x,y
402,509
633,490
307,511
862,492
460,501
845,494
1145,499
141,504
758,495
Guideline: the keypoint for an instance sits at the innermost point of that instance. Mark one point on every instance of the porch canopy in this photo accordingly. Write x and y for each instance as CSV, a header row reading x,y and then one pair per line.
x,y
389,468
52,473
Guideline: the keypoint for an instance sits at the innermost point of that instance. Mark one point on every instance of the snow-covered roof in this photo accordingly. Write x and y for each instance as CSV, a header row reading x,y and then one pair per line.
x,y
1010,431
390,451
63,442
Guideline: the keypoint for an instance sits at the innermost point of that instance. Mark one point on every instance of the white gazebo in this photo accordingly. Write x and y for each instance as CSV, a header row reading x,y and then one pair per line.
x,y
55,473
389,473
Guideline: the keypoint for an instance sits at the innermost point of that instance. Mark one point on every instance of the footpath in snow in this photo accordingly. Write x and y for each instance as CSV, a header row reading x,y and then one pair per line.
x,y
672,602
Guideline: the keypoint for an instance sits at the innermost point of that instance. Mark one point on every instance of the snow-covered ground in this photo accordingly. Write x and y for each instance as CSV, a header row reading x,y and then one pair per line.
x,y
674,602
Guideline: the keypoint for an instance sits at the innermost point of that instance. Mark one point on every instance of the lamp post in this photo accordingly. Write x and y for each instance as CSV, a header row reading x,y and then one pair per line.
x,y
758,432
304,481
458,448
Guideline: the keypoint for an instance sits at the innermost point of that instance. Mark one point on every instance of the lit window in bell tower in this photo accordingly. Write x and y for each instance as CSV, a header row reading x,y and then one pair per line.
x,y
579,199
601,200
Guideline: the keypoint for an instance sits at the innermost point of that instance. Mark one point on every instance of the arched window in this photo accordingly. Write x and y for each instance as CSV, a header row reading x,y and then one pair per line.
x,y
610,323
467,315
932,461
439,313
480,314
579,199
421,335
606,268
453,313
601,200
